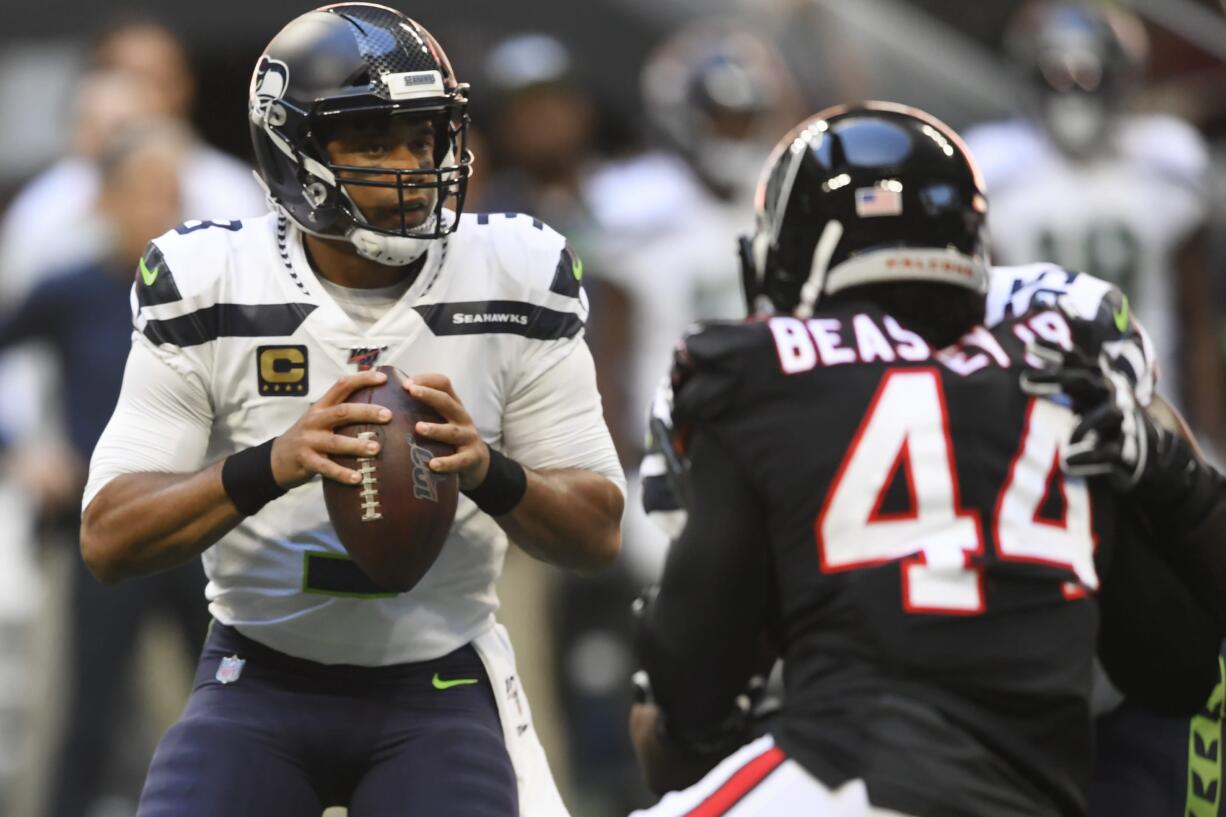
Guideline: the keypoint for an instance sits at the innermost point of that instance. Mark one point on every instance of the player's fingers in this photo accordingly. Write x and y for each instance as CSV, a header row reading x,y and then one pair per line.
x,y
350,414
442,402
319,464
1049,354
433,380
460,461
326,442
447,433
350,383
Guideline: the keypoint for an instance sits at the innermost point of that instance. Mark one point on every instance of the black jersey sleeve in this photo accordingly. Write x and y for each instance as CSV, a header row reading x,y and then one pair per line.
x,y
700,638
1158,643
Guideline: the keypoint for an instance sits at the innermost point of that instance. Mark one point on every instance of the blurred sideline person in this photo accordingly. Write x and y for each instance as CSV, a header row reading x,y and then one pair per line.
x,y
1086,184
33,238
137,70
358,123
928,585
82,314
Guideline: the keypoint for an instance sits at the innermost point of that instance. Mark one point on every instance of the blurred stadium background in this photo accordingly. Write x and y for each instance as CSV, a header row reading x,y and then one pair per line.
x,y
638,181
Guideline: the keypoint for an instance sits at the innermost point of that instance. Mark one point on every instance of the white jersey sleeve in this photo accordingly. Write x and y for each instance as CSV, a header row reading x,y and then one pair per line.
x,y
556,421
163,419
161,422
553,416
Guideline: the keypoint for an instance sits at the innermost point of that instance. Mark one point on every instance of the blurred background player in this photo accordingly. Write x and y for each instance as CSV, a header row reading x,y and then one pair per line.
x,y
1087,183
716,95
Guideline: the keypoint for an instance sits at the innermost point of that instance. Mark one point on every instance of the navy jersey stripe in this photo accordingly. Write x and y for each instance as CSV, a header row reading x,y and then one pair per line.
x,y
501,318
229,321
567,276
155,284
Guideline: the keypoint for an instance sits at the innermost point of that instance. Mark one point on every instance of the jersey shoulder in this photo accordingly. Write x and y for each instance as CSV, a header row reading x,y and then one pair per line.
x,y
1015,291
644,196
1167,146
718,364
524,254
1007,152
194,260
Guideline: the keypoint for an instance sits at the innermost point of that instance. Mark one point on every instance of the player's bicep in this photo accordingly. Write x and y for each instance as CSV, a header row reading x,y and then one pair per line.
x,y
161,422
701,637
556,421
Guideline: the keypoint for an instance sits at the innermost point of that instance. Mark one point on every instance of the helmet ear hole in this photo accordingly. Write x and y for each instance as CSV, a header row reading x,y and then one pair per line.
x,y
316,193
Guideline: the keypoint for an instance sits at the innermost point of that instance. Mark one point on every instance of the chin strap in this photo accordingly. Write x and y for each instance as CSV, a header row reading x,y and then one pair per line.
x,y
394,251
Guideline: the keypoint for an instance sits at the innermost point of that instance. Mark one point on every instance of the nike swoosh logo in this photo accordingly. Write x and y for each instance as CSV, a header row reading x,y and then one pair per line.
x,y
440,683
147,276
1121,316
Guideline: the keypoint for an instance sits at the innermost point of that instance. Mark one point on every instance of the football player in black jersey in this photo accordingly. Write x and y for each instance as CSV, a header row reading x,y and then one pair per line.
x,y
873,495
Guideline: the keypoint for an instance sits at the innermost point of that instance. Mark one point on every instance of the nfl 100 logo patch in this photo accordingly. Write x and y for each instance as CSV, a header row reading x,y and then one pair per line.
x,y
230,669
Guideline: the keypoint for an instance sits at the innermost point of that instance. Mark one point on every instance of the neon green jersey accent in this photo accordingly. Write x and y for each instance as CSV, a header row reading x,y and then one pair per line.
x,y
147,276
576,267
1205,753
439,683
1121,316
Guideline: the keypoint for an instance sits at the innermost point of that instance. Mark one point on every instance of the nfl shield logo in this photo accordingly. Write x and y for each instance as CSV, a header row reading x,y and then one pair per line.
x,y
231,667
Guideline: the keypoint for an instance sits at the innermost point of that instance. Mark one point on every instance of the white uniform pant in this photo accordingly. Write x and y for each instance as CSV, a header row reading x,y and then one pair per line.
x,y
759,780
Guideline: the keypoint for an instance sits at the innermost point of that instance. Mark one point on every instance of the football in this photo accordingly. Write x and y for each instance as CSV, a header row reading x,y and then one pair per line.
x,y
394,522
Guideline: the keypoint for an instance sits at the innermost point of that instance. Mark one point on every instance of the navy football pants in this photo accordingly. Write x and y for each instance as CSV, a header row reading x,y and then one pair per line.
x,y
290,737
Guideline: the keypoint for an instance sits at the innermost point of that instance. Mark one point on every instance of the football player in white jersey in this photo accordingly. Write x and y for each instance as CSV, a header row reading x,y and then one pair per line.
x,y
315,688
1089,186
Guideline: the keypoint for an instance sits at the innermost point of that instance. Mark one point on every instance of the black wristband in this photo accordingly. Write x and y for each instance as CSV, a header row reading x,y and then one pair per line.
x,y
247,478
503,487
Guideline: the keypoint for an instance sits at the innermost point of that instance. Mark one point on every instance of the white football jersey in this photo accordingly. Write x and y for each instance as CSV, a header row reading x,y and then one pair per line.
x,y
235,337
672,246
1121,216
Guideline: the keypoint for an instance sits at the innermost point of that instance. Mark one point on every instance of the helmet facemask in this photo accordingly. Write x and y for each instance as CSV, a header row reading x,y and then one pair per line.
x,y
422,193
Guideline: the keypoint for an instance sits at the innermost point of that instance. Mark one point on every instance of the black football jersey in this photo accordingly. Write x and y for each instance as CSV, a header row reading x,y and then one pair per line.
x,y
931,571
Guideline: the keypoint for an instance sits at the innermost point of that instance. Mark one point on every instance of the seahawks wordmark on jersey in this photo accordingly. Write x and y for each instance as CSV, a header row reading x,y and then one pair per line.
x,y
235,337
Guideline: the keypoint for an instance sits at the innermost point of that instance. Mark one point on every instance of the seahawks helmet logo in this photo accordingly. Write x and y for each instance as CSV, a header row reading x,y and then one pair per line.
x,y
271,80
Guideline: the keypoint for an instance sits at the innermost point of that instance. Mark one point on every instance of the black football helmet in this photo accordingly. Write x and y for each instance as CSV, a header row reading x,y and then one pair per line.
x,y
357,60
1082,60
867,194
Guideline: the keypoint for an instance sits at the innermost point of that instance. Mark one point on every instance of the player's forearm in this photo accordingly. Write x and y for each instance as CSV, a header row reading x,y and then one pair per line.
x,y
568,517
146,522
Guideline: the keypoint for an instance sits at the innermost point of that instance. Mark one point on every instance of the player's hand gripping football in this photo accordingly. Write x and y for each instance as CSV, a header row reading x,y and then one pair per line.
x,y
302,451
471,460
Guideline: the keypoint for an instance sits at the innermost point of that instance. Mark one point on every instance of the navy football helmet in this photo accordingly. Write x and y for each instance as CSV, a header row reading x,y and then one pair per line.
x,y
721,94
347,62
867,194
1082,60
